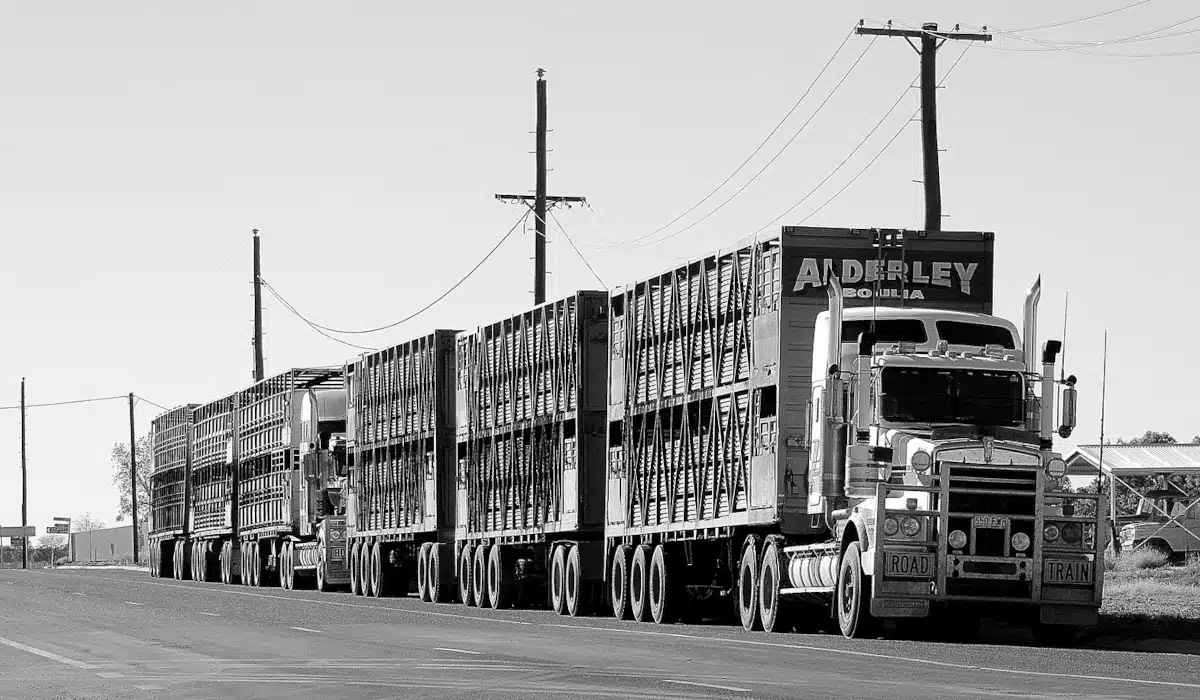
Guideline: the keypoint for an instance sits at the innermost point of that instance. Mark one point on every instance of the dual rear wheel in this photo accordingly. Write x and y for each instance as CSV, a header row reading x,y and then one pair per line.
x,y
646,583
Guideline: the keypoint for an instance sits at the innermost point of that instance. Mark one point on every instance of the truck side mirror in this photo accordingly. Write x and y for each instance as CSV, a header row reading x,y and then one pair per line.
x,y
1069,399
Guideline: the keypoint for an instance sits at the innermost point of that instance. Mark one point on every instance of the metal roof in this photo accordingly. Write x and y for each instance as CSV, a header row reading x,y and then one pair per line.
x,y
1135,460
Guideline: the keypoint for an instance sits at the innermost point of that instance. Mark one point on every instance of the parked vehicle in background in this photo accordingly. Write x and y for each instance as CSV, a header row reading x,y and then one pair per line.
x,y
1166,521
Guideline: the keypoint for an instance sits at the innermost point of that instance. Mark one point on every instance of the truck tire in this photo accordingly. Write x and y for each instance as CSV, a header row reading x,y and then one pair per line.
x,y
639,577
770,581
619,582
499,579
381,576
466,592
852,596
322,581
355,580
558,567
747,583
423,571
364,567
479,576
661,587
226,560
575,588
433,570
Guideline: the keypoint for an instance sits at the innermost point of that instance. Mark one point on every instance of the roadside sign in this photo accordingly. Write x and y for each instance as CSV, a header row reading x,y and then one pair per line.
x,y
58,530
63,520
14,532
17,542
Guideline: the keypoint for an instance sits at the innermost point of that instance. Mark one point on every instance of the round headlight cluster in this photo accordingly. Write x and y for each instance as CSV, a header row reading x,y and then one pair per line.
x,y
1072,533
335,534
1050,533
921,462
1056,468
910,527
958,539
1020,541
890,526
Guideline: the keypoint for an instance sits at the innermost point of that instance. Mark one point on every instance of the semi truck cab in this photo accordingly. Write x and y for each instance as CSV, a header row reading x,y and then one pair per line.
x,y
932,461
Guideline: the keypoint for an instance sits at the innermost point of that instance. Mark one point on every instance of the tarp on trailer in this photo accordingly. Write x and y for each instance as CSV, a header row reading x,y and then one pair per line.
x,y
1135,460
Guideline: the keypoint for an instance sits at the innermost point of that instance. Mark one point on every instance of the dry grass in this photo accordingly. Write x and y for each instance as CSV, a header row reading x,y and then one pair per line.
x,y
1143,598
1136,560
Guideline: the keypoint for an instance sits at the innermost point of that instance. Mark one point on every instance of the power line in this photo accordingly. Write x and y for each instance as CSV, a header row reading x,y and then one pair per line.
x,y
413,315
845,160
886,146
576,249
773,159
1083,19
156,405
124,397
314,326
753,153
1084,49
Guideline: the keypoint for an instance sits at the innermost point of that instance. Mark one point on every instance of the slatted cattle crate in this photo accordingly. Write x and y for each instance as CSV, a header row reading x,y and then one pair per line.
x,y
530,421
711,368
268,436
212,473
401,421
170,470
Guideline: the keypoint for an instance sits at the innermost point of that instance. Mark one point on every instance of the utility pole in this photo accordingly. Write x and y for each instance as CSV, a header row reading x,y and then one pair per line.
x,y
24,485
929,36
133,477
258,353
540,199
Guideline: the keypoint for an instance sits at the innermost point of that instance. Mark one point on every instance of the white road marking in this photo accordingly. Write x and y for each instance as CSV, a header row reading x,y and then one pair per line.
x,y
79,593
130,602
210,614
149,687
305,629
719,640
458,651
873,655
110,674
48,654
709,685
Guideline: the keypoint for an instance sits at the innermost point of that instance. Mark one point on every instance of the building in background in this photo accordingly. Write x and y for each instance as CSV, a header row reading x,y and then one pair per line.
x,y
109,545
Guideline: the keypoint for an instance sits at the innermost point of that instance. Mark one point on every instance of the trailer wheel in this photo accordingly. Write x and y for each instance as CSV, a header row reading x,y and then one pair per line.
x,y
558,566
287,566
322,575
853,596
380,580
355,574
638,579
499,579
199,563
226,564
466,592
479,576
661,587
575,588
364,568
433,571
423,571
769,583
747,586
283,566
619,582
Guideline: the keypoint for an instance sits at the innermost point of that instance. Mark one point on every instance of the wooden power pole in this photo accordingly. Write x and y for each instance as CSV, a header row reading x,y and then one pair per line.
x,y
540,199
133,478
929,36
258,353
24,485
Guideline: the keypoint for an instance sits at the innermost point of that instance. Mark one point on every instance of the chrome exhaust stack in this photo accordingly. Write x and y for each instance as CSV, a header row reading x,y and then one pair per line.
x,y
1029,324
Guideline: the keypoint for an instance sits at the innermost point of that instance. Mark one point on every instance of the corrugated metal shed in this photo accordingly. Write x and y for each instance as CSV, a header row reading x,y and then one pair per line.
x,y
1135,460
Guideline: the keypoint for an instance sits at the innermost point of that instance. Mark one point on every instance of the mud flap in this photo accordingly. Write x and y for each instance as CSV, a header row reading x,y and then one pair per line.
x,y
1073,615
899,607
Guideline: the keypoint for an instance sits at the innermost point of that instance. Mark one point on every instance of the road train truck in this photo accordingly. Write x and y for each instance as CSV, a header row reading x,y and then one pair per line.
x,y
833,416
262,488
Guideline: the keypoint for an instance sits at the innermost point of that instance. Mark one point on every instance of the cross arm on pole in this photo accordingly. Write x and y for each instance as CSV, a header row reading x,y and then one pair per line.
x,y
918,33
532,197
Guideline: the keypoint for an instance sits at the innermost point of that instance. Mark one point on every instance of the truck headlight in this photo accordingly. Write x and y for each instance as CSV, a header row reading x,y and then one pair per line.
x,y
1056,468
910,527
1050,533
958,539
890,526
1072,533
1020,541
921,462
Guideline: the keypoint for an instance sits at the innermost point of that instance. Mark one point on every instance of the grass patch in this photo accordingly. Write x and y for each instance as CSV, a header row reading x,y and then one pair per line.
x,y
1155,601
1136,560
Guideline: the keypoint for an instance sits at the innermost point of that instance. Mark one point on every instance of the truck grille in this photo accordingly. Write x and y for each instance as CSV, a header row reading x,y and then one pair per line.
x,y
991,502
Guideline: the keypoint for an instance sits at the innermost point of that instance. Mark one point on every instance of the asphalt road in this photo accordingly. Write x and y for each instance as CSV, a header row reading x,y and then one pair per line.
x,y
120,634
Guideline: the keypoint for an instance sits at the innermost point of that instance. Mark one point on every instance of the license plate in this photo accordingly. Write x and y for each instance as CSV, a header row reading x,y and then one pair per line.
x,y
1074,572
337,553
996,522
907,564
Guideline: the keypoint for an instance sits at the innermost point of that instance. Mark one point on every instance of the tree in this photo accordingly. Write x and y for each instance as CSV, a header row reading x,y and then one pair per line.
x,y
119,458
86,523
1151,437
49,548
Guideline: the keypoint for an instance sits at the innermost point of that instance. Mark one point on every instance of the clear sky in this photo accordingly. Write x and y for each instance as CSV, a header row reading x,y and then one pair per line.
x,y
141,142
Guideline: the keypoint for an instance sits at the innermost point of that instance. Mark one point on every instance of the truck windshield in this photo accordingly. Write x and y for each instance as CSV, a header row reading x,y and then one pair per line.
x,y
932,395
